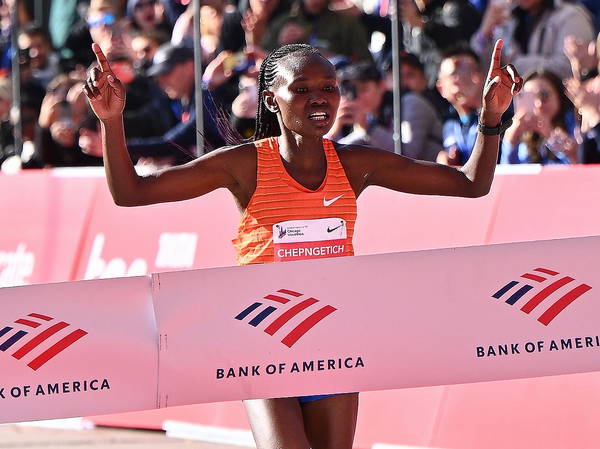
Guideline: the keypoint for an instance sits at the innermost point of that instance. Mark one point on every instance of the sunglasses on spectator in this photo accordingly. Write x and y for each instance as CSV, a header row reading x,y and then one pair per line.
x,y
140,5
103,19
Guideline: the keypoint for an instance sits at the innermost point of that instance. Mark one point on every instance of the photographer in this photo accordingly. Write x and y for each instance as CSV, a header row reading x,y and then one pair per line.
x,y
63,111
365,112
365,115
44,62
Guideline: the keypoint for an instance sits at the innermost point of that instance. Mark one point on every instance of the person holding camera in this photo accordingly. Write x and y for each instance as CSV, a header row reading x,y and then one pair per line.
x,y
540,132
365,112
44,62
63,110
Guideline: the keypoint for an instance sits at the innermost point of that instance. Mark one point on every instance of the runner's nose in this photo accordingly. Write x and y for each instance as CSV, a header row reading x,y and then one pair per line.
x,y
317,100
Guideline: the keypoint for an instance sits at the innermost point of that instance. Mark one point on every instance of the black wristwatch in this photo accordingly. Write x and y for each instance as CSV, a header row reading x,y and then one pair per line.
x,y
494,130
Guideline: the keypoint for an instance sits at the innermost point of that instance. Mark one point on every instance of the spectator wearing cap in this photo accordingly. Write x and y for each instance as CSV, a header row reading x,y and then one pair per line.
x,y
314,23
173,69
147,111
432,26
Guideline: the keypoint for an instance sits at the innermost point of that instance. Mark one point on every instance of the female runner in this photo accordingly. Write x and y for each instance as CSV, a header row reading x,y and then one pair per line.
x,y
291,174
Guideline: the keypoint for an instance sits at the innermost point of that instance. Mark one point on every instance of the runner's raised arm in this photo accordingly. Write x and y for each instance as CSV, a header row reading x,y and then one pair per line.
x,y
106,95
474,179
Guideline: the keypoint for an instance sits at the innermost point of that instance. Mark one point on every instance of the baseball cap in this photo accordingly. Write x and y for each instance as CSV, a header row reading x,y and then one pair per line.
x,y
167,57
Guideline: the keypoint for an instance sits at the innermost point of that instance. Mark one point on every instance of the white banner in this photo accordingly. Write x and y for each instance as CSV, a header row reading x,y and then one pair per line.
x,y
77,348
379,322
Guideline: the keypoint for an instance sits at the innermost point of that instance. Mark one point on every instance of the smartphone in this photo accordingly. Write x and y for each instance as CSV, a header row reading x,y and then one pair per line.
x,y
525,102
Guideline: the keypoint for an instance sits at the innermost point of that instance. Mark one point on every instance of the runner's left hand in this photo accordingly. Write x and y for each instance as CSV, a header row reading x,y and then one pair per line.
x,y
501,85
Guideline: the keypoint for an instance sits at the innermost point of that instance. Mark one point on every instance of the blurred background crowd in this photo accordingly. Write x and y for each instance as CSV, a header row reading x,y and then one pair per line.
x,y
446,45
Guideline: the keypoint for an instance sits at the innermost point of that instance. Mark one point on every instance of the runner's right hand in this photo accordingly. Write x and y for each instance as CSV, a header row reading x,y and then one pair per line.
x,y
105,92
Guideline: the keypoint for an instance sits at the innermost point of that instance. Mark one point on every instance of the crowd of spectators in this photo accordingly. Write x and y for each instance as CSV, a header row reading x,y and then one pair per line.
x,y
554,44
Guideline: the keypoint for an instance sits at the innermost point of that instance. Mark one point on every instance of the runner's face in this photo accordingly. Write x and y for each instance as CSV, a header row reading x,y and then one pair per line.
x,y
307,94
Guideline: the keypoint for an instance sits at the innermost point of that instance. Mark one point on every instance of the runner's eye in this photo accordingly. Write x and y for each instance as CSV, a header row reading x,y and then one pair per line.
x,y
329,88
300,90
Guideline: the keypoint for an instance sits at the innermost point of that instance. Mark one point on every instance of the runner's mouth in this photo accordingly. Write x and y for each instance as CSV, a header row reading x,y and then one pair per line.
x,y
318,116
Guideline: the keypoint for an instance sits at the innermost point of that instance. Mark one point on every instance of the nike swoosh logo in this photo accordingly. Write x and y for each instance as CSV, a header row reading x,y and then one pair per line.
x,y
333,229
327,203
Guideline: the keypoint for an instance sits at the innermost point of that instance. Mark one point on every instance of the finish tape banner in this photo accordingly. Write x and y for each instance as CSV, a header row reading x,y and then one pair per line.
x,y
379,322
310,327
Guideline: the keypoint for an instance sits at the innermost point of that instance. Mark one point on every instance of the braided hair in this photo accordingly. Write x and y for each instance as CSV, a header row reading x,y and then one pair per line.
x,y
266,121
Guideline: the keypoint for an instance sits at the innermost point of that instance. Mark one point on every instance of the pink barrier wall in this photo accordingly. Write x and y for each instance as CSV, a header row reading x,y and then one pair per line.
x,y
58,228
44,221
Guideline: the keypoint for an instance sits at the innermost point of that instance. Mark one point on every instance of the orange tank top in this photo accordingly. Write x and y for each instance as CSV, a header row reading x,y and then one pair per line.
x,y
286,221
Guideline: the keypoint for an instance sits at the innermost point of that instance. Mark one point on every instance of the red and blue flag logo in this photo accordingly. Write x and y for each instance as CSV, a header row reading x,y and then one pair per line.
x,y
531,295
279,308
45,331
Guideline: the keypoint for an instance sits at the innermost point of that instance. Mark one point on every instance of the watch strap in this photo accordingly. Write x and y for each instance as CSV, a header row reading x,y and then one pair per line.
x,y
494,130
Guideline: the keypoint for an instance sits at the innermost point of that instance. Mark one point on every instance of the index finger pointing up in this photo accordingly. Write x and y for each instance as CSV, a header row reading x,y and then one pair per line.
x,y
102,61
496,56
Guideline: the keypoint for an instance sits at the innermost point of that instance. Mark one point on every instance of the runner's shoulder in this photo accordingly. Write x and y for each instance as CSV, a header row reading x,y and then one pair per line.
x,y
232,155
235,151
351,154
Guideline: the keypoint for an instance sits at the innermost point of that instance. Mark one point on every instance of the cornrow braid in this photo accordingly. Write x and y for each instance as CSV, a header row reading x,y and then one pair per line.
x,y
266,121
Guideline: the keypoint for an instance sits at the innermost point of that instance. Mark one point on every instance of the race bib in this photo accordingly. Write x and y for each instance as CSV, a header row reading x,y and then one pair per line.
x,y
309,239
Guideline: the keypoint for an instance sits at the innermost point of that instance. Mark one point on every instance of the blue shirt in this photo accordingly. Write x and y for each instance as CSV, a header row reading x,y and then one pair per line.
x,y
460,133
517,154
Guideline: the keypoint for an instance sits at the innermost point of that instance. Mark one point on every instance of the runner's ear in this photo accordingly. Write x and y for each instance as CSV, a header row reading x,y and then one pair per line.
x,y
270,101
